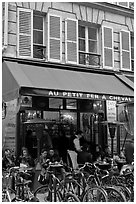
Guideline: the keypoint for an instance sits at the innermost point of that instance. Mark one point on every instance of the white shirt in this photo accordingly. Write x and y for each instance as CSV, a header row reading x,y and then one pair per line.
x,y
77,144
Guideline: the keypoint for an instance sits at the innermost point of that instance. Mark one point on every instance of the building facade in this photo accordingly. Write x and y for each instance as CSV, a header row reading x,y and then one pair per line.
x,y
67,65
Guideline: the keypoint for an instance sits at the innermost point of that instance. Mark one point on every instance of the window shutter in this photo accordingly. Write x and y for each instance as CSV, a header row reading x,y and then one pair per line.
x,y
54,38
108,47
71,41
125,55
24,33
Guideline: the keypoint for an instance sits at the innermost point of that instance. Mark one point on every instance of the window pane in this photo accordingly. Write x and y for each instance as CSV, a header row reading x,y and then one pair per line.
x,y
38,37
38,52
69,117
81,45
55,103
93,60
38,22
82,59
92,46
92,33
123,4
81,32
71,104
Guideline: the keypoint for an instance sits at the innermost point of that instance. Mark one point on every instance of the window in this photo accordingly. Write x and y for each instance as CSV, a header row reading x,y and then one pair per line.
x,y
38,34
88,45
31,33
125,4
132,51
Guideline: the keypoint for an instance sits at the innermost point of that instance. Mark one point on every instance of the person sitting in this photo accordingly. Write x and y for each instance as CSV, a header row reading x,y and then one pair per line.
x,y
8,160
44,162
26,162
53,162
82,156
25,159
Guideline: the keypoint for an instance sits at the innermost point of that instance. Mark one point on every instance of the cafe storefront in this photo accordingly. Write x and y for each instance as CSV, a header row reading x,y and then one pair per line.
x,y
45,97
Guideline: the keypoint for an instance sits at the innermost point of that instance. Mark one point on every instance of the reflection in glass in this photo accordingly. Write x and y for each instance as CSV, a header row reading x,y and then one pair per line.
x,y
56,103
71,104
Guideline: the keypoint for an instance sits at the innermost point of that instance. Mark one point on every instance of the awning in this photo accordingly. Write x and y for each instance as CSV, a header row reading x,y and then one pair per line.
x,y
31,79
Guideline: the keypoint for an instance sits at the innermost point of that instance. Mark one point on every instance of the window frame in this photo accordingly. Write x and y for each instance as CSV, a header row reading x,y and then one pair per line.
x,y
41,45
87,42
124,69
32,29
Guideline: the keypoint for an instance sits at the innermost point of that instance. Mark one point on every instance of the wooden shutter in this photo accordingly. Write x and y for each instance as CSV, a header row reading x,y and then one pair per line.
x,y
125,54
54,38
108,57
71,41
24,33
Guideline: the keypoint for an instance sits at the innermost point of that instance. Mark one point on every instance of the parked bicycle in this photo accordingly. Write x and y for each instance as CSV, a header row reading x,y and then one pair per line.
x,y
18,189
51,191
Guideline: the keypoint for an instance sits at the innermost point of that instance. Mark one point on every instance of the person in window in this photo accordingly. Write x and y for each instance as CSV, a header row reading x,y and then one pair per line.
x,y
82,156
8,160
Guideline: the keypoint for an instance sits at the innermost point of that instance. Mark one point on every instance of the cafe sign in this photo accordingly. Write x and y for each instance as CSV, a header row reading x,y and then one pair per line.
x,y
111,111
93,96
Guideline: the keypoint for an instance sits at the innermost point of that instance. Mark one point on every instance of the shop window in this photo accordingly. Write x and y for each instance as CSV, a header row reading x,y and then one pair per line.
x,y
68,117
85,105
71,104
40,102
88,45
31,114
56,103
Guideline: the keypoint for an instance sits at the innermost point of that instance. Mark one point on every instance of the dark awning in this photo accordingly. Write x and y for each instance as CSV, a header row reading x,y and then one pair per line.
x,y
17,77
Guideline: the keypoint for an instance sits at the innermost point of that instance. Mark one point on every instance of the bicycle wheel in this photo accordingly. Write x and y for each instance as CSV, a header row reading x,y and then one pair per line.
x,y
42,193
69,197
114,195
95,194
126,192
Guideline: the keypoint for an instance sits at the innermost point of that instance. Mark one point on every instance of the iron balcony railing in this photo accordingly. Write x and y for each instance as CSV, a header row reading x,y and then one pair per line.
x,y
89,58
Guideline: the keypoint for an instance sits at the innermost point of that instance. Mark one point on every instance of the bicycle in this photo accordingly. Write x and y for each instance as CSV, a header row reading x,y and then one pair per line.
x,y
20,191
75,182
93,175
8,193
124,181
51,191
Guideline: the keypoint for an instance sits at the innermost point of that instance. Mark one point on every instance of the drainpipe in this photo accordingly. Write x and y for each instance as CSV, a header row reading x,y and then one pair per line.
x,y
5,28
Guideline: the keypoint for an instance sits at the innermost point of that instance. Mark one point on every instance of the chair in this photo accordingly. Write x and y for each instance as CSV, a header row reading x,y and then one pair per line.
x,y
72,159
